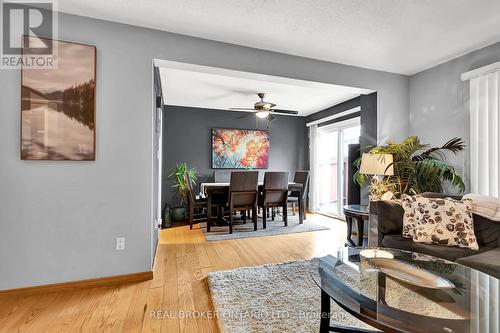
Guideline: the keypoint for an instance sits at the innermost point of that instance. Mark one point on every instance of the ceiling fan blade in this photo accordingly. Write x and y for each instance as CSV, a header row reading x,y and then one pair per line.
x,y
243,116
284,111
271,117
242,109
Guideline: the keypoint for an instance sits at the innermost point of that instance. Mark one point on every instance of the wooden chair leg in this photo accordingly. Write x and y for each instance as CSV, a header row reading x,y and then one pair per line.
x,y
254,218
273,213
264,216
231,222
285,215
190,216
293,208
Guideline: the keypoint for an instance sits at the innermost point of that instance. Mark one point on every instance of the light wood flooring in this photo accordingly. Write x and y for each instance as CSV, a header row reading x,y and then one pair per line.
x,y
177,293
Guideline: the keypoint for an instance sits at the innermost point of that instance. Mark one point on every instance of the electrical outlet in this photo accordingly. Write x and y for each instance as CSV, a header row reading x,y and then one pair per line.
x,y
120,243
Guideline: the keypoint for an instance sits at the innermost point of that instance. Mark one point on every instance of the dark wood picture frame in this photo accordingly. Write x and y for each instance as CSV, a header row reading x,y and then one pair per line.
x,y
67,99
213,166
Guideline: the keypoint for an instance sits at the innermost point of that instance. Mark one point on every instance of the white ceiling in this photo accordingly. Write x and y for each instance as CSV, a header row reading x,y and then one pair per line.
x,y
400,36
216,88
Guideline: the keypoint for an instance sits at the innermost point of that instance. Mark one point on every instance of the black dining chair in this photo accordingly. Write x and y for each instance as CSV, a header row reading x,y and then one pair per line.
x,y
222,176
243,195
195,203
301,177
274,194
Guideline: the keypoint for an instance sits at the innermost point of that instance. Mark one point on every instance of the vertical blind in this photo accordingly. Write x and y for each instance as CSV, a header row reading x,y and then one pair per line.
x,y
484,162
484,138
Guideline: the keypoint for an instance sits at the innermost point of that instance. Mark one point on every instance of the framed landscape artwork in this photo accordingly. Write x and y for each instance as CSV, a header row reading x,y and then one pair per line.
x,y
58,106
239,149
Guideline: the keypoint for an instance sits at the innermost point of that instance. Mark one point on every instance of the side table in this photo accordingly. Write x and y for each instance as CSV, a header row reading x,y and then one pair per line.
x,y
360,213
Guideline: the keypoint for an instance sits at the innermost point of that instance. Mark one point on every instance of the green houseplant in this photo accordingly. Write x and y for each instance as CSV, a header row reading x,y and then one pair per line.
x,y
418,168
179,184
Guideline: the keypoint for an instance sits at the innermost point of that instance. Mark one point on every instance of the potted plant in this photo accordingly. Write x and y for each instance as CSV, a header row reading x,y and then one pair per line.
x,y
418,168
179,184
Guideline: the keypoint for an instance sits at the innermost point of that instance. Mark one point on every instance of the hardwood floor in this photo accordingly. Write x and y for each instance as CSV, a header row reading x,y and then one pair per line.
x,y
176,300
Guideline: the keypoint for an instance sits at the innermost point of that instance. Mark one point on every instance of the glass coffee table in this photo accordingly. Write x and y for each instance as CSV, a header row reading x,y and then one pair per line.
x,y
400,291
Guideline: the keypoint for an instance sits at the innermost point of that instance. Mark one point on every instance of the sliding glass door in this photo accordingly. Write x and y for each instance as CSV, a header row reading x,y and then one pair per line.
x,y
327,167
329,145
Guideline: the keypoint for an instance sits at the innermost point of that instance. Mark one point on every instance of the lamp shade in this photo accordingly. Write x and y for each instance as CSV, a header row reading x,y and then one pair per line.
x,y
377,164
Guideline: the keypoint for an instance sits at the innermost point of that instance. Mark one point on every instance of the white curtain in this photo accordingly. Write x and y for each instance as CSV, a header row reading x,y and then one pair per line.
x,y
313,166
484,161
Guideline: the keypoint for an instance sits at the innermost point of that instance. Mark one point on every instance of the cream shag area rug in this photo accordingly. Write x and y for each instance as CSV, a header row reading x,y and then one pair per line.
x,y
271,298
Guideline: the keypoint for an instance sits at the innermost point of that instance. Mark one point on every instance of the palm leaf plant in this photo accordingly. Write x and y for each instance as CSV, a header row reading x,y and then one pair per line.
x,y
418,167
178,182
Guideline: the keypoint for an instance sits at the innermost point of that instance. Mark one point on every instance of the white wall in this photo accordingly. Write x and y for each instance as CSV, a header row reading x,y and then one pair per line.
x,y
439,102
59,220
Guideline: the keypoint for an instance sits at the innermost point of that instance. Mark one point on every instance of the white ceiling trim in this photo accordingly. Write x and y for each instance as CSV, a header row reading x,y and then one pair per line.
x,y
199,86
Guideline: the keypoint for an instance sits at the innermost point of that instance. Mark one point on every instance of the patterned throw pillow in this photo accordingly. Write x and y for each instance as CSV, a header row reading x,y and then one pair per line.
x,y
409,215
444,222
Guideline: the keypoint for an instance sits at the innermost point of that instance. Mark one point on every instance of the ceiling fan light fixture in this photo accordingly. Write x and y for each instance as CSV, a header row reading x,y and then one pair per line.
x,y
262,114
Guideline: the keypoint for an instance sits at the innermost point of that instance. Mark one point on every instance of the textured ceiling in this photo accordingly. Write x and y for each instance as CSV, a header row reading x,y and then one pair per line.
x,y
400,36
222,89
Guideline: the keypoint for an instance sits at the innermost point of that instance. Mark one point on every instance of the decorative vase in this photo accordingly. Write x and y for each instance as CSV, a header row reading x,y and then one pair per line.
x,y
166,216
178,213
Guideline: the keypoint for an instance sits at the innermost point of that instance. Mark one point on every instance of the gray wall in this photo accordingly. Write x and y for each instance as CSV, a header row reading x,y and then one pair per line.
x,y
59,220
439,101
186,138
368,137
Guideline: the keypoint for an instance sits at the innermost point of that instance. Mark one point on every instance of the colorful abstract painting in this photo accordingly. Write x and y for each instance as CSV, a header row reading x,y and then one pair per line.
x,y
239,149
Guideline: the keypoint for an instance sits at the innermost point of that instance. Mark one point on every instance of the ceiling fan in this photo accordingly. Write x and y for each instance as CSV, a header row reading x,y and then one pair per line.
x,y
263,109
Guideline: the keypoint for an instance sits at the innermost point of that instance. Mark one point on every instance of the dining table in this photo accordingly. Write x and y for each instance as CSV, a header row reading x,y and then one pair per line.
x,y
221,190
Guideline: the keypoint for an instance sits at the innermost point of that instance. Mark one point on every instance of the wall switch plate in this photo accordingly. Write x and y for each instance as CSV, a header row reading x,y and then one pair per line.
x,y
120,243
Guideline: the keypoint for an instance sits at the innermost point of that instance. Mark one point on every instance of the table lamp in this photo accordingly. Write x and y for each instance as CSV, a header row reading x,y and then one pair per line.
x,y
377,165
